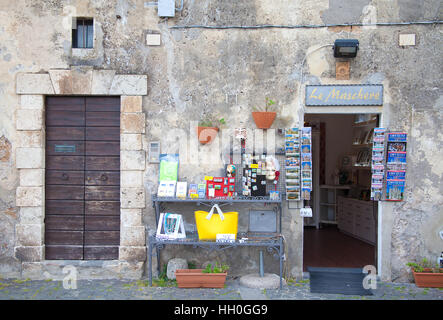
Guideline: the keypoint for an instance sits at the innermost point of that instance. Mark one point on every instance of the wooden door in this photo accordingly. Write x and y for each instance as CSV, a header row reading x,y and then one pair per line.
x,y
82,219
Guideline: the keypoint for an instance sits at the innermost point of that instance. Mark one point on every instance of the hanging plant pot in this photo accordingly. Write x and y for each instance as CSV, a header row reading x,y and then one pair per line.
x,y
196,278
206,134
428,279
263,120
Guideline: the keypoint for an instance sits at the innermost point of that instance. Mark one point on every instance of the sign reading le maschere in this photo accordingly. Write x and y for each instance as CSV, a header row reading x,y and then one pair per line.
x,y
344,95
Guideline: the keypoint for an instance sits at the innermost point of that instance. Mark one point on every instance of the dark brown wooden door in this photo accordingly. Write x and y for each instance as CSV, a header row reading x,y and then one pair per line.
x,y
82,218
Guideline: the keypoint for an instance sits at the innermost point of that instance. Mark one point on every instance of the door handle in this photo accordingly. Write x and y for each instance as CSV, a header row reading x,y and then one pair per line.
x,y
65,176
103,177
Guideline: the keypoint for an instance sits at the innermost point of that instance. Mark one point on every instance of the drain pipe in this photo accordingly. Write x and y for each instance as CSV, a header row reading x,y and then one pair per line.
x,y
262,273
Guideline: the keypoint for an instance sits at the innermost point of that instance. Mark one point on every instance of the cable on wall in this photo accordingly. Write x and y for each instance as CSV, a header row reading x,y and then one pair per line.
x,y
309,26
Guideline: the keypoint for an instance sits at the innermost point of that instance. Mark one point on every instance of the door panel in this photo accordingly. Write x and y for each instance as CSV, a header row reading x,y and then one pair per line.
x,y
64,177
54,252
82,218
102,134
102,163
61,207
102,178
102,208
103,119
103,148
65,162
107,193
101,252
103,104
65,133
102,223
65,237
61,192
64,222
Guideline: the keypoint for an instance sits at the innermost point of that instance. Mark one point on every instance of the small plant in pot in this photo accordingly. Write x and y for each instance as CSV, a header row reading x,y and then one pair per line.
x,y
210,277
264,117
426,275
207,129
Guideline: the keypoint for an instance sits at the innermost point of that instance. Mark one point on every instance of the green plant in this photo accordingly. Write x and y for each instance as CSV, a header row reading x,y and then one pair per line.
x,y
424,264
208,122
268,104
218,268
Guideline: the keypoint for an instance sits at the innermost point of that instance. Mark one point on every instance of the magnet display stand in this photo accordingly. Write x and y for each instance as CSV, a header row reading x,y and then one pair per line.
x,y
388,165
396,166
292,164
306,163
378,164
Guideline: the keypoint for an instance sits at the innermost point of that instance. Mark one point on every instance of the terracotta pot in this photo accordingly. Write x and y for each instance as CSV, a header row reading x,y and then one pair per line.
x,y
263,120
206,134
195,278
428,279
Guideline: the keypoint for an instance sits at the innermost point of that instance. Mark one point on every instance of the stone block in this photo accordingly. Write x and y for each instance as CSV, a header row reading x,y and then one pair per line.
x,y
30,234
132,253
406,39
28,101
133,236
34,83
102,81
132,160
32,215
153,39
30,158
130,85
31,139
32,177
131,179
29,196
30,253
132,198
33,271
75,81
131,141
29,119
173,265
131,104
131,217
131,270
132,123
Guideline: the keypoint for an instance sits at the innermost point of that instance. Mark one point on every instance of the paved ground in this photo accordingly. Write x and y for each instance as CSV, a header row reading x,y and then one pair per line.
x,y
139,290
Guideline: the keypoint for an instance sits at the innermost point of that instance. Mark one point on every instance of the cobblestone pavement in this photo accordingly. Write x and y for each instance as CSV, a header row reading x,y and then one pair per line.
x,y
139,290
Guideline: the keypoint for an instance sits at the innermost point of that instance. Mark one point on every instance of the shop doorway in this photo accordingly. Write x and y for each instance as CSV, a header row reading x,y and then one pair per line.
x,y
342,232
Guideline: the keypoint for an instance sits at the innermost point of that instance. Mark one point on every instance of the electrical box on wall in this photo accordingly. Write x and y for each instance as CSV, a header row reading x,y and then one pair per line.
x,y
166,8
154,152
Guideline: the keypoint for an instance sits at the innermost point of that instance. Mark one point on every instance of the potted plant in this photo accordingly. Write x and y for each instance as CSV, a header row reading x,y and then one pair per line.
x,y
207,130
264,118
210,277
426,275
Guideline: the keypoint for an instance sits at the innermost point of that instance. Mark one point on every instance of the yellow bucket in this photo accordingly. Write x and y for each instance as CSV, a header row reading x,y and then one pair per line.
x,y
208,229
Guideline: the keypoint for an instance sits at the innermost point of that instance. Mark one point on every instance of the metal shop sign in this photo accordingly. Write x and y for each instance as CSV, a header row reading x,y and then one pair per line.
x,y
344,95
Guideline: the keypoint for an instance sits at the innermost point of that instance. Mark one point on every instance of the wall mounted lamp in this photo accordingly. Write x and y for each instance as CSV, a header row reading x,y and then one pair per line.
x,y
345,48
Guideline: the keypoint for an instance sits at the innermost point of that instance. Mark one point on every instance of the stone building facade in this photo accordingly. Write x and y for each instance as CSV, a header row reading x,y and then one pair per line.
x,y
194,71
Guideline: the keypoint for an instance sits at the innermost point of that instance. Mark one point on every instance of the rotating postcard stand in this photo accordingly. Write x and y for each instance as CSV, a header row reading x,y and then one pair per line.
x,y
170,227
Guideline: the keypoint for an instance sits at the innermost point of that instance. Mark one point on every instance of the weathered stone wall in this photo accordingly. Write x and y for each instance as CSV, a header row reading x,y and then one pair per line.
x,y
224,73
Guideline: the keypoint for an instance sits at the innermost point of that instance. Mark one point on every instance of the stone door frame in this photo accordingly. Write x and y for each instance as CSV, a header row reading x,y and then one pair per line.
x,y
384,208
30,157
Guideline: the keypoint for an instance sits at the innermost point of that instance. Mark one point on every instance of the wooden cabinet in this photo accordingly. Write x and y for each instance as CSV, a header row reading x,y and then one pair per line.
x,y
357,218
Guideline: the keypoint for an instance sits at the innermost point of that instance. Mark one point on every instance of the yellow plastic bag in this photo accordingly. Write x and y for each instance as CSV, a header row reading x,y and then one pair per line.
x,y
209,224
